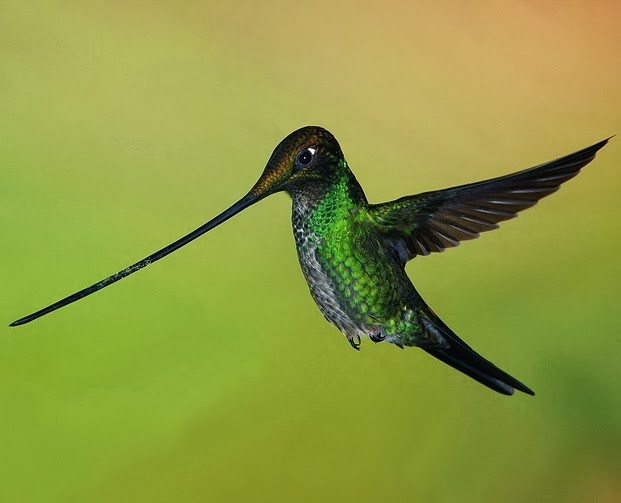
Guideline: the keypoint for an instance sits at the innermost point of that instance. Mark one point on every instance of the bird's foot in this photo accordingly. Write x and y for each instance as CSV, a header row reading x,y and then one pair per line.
x,y
354,341
377,337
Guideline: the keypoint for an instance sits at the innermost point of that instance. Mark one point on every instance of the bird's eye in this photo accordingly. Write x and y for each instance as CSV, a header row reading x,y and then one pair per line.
x,y
305,157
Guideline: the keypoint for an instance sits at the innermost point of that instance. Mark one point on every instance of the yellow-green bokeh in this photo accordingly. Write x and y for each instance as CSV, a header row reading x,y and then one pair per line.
x,y
211,376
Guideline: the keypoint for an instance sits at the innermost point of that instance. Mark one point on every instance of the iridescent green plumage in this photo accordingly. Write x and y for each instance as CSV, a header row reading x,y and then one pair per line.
x,y
353,253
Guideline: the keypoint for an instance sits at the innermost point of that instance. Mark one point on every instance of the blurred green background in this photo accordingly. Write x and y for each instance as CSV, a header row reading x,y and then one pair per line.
x,y
211,376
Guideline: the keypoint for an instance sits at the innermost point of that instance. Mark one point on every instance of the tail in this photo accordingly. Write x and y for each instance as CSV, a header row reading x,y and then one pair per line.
x,y
462,357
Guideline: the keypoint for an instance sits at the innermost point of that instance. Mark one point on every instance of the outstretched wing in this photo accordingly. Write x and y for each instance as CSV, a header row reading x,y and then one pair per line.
x,y
433,221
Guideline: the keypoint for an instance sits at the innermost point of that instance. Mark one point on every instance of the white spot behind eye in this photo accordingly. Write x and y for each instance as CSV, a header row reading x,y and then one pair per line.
x,y
305,157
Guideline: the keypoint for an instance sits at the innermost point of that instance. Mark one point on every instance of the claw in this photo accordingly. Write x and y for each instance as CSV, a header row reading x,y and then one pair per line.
x,y
377,337
355,342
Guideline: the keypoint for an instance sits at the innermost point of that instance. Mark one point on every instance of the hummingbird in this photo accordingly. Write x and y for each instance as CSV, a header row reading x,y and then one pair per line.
x,y
353,253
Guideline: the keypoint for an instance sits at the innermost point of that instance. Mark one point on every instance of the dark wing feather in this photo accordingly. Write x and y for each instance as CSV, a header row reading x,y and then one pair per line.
x,y
433,221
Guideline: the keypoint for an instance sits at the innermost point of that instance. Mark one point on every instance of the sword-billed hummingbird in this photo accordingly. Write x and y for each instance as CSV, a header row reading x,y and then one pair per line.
x,y
353,253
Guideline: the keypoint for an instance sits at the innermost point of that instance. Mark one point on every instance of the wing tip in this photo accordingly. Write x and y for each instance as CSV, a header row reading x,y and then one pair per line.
x,y
591,152
600,144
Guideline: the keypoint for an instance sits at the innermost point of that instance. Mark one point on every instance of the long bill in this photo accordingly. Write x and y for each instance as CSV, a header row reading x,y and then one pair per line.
x,y
240,205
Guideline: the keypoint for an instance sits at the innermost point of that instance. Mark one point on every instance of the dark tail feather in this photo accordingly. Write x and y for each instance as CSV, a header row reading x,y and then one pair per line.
x,y
462,357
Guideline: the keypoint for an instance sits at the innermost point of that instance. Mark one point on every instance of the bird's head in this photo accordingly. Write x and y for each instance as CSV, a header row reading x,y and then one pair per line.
x,y
307,155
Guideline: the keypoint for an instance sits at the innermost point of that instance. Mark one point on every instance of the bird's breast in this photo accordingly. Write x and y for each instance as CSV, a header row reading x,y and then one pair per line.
x,y
356,282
